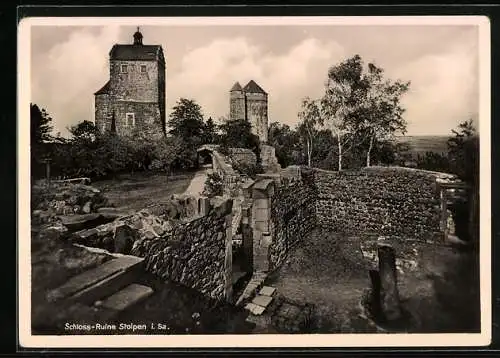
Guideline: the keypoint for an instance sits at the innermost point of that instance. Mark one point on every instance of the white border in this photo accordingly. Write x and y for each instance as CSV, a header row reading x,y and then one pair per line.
x,y
236,341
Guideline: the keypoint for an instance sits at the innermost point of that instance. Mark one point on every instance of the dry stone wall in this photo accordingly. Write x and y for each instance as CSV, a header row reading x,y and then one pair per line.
x,y
292,216
195,251
394,202
196,254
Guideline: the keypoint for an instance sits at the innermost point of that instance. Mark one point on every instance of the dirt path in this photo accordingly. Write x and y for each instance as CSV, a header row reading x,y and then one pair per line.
x,y
197,184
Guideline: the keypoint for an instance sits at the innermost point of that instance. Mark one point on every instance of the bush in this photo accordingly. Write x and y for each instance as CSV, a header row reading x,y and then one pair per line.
x,y
434,162
248,169
213,185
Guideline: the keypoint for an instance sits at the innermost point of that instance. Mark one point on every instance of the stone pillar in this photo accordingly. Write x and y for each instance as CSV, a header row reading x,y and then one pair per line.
x,y
228,262
389,294
444,212
261,217
203,206
247,237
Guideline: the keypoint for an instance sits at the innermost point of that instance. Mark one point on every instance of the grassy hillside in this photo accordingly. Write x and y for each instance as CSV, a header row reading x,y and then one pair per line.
x,y
422,144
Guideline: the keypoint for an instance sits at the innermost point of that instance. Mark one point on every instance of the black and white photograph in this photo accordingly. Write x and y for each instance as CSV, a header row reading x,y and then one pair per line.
x,y
254,181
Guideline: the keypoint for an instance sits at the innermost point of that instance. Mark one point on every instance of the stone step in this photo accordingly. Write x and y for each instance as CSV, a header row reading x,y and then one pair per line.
x,y
255,283
267,291
127,297
99,282
262,301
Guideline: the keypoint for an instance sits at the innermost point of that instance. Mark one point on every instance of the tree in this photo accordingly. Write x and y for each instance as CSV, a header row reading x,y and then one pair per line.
x,y
86,131
309,117
463,151
238,133
210,132
342,99
186,120
381,113
285,141
40,125
40,136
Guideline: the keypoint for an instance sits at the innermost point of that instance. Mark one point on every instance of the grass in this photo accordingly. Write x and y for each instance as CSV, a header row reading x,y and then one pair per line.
x,y
138,190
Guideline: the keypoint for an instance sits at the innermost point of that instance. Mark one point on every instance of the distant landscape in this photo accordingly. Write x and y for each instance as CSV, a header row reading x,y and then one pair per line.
x,y
422,144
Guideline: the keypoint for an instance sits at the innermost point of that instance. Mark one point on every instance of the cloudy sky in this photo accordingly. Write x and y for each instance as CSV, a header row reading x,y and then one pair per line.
x,y
70,63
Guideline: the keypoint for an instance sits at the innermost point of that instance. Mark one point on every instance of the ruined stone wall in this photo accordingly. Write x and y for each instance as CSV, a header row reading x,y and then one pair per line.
x,y
196,253
256,114
134,85
292,216
141,91
269,159
394,202
102,113
147,119
242,156
236,105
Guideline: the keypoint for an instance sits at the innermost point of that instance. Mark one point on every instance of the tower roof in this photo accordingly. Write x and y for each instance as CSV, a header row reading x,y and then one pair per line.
x,y
104,89
134,52
253,87
236,87
137,51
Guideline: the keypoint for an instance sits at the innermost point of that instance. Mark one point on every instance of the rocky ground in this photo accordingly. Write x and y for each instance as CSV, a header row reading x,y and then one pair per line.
x,y
330,272
54,260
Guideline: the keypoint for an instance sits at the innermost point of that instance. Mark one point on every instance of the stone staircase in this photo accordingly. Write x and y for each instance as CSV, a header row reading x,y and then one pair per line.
x,y
253,285
110,288
261,301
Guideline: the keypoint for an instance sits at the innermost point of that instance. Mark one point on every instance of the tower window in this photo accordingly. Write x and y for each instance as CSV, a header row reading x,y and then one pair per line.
x,y
143,68
130,120
124,68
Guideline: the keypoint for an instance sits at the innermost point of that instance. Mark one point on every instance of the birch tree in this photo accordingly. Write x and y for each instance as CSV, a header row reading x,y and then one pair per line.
x,y
341,101
381,112
309,116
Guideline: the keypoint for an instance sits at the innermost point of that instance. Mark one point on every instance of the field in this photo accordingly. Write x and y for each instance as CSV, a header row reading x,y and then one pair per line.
x,y
138,190
422,144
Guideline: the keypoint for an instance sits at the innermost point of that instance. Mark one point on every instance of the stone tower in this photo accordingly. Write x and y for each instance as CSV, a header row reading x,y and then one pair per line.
x,y
250,103
237,108
132,102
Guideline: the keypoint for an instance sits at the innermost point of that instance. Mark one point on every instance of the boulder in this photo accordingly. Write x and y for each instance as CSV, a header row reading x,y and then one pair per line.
x,y
87,207
82,222
124,239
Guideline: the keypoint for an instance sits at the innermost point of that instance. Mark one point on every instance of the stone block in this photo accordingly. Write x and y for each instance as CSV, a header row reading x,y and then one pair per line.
x,y
267,291
261,214
81,222
266,241
255,309
204,206
124,238
127,297
262,226
261,300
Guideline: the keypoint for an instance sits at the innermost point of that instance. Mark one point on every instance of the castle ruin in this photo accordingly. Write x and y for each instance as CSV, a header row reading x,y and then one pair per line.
x,y
133,100
250,103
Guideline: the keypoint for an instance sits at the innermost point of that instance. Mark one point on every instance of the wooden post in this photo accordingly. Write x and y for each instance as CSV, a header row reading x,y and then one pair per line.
x,y
47,170
389,294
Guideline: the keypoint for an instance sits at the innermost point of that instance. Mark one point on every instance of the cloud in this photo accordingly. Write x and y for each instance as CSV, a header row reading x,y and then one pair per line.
x,y
65,77
443,90
68,69
207,73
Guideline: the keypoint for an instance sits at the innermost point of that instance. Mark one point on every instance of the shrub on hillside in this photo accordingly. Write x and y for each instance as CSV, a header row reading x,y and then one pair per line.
x,y
213,185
